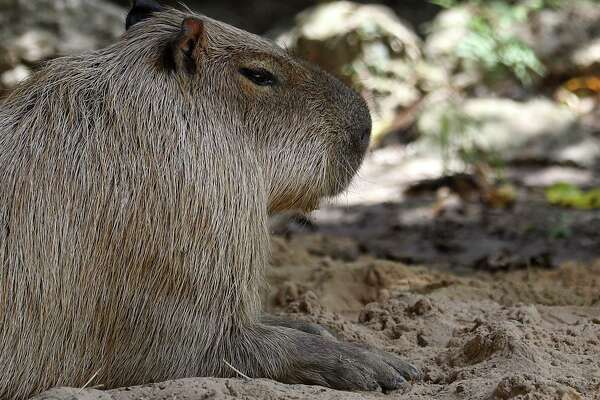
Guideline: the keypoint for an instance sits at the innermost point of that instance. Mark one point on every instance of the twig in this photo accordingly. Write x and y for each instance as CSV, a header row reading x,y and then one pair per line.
x,y
246,377
90,380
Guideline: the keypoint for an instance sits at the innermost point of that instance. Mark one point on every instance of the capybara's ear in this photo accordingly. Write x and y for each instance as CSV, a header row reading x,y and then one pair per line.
x,y
189,45
140,10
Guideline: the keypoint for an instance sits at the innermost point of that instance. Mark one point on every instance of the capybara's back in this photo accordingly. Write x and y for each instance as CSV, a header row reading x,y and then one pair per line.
x,y
135,185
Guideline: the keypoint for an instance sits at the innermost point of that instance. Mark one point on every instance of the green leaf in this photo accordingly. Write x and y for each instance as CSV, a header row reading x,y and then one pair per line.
x,y
567,195
444,3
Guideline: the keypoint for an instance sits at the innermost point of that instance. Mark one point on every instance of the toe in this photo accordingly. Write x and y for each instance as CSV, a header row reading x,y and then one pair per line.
x,y
389,379
407,370
354,378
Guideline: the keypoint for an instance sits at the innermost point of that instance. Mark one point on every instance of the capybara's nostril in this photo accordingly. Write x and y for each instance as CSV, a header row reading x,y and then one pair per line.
x,y
361,136
365,136
363,125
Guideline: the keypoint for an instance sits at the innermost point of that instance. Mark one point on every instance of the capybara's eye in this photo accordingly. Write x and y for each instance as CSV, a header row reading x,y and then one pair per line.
x,y
259,76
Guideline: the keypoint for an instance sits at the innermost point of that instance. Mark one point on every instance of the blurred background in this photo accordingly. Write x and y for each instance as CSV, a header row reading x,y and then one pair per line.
x,y
486,139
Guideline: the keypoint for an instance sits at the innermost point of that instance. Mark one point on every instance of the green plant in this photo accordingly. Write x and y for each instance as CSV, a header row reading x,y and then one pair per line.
x,y
453,134
567,195
491,43
561,227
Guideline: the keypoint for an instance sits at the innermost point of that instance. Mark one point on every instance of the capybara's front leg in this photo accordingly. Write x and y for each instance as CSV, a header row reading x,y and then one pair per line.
x,y
304,358
278,320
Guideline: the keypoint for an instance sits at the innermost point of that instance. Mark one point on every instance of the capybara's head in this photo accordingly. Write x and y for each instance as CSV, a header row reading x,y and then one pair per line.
x,y
308,130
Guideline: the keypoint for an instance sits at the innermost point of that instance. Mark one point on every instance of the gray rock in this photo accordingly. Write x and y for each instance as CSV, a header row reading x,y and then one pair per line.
x,y
566,39
35,31
536,130
368,46
447,30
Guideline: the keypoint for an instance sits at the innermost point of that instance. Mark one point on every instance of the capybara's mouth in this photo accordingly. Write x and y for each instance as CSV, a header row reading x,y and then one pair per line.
x,y
352,152
343,171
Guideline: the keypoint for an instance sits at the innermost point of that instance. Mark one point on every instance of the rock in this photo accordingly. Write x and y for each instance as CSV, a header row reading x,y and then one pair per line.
x,y
513,386
13,76
364,30
447,31
505,124
506,260
536,130
563,46
32,32
369,47
421,307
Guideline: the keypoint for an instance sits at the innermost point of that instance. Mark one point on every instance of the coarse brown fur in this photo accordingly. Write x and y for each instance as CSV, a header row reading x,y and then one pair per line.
x,y
134,198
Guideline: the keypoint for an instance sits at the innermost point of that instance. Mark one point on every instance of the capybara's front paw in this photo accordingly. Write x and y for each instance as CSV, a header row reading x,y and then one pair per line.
x,y
346,366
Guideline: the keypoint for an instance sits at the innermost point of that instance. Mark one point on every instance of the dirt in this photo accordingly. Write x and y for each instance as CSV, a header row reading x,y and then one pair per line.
x,y
428,230
528,334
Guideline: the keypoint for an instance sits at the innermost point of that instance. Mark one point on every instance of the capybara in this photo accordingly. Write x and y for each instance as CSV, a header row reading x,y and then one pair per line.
x,y
135,188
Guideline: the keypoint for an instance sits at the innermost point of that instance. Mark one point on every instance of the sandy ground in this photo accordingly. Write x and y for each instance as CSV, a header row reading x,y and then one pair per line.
x,y
525,334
